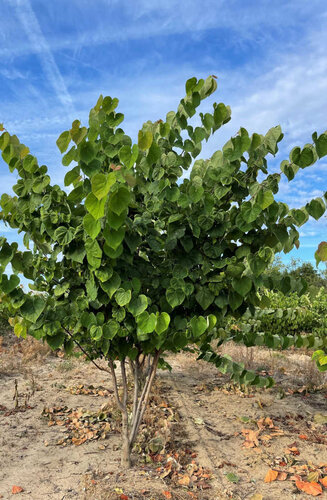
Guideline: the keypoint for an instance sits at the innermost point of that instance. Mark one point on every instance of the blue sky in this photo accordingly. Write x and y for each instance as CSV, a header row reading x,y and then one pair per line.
x,y
270,58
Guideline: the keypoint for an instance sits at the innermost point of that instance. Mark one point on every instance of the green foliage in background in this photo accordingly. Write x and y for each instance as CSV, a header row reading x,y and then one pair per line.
x,y
289,320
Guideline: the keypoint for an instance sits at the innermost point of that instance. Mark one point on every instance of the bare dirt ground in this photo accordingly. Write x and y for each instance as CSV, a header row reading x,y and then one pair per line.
x,y
203,438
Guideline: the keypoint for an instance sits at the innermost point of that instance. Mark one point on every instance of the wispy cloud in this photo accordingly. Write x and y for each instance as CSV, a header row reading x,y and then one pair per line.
x,y
120,20
38,42
13,74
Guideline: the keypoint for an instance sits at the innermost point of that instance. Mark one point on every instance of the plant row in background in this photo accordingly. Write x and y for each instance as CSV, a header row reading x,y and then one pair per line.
x,y
301,317
287,318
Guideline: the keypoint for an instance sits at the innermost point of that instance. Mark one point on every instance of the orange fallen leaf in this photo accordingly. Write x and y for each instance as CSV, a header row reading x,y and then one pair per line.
x,y
282,476
271,476
303,436
123,497
295,477
292,450
78,442
323,481
266,437
167,494
313,489
184,480
16,489
265,422
251,438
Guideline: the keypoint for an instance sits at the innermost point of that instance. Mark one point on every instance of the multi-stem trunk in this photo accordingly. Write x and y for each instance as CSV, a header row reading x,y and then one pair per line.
x,y
141,395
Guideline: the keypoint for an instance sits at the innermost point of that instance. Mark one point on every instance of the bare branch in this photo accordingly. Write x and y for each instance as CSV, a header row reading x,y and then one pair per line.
x,y
136,389
124,378
113,373
85,352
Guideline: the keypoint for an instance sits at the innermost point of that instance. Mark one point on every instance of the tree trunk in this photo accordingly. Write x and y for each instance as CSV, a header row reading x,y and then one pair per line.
x,y
125,449
140,401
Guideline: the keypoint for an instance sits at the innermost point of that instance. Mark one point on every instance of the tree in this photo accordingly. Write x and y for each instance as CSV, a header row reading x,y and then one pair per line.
x,y
135,261
306,270
297,269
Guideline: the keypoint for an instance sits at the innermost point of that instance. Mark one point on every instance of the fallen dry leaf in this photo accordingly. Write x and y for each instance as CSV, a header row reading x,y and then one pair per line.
x,y
251,438
271,476
167,494
123,497
78,442
323,481
282,476
295,477
313,477
184,480
303,436
313,489
266,437
203,485
262,423
16,489
292,450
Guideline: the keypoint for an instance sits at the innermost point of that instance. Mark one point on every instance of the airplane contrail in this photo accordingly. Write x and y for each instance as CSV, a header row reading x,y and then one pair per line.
x,y
30,23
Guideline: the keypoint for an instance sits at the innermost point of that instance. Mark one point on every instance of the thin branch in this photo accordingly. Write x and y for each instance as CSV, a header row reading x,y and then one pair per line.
x,y
124,378
113,373
136,388
132,366
141,362
85,352
148,368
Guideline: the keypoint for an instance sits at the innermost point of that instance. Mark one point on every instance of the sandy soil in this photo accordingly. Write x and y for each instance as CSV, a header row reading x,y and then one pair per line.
x,y
211,421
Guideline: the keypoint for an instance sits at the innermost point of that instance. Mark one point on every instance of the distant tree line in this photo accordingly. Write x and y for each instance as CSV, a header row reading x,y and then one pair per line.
x,y
315,278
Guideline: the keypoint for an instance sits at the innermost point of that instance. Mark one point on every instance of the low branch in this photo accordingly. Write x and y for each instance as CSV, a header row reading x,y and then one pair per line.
x,y
85,352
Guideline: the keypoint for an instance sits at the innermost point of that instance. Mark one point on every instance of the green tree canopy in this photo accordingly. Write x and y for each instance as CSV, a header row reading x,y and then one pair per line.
x,y
137,259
